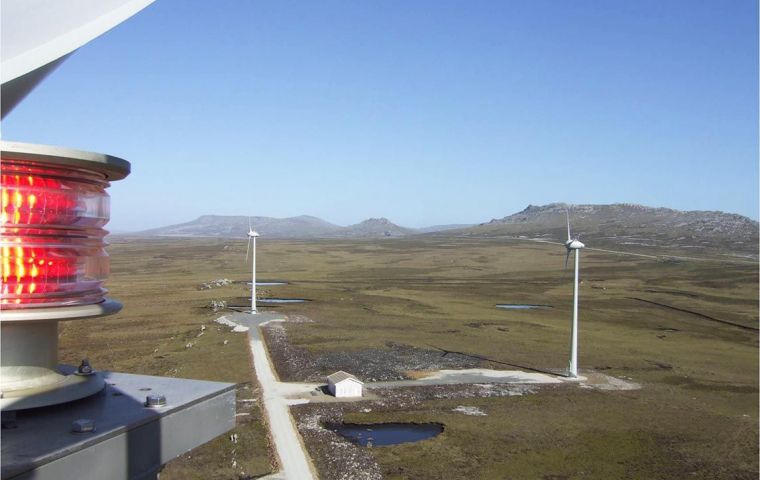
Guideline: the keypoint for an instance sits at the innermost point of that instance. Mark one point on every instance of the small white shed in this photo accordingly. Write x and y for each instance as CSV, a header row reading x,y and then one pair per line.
x,y
342,384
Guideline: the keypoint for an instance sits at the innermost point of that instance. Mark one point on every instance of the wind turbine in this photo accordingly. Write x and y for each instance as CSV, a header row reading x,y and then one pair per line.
x,y
573,244
252,235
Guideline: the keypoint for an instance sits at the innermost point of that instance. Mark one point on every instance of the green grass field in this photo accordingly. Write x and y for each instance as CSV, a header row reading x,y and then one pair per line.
x,y
675,328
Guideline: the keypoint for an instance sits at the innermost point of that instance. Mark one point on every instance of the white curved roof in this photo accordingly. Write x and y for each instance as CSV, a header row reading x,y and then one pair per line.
x,y
37,32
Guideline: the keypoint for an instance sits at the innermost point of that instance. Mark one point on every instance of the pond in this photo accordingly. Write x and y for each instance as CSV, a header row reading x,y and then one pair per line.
x,y
281,300
518,306
379,434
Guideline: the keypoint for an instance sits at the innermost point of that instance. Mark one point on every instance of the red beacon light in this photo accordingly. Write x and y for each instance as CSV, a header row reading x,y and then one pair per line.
x,y
52,264
52,237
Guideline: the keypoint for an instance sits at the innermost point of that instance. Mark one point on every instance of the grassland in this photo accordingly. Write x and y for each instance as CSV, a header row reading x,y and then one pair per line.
x,y
686,331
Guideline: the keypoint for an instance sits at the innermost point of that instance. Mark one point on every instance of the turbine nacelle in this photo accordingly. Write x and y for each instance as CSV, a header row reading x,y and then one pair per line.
x,y
571,243
252,236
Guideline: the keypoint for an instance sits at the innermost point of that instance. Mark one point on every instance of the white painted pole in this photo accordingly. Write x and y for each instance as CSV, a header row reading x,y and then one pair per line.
x,y
573,368
253,283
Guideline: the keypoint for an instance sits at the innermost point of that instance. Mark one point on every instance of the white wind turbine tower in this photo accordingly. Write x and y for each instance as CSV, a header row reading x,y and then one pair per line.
x,y
252,235
573,244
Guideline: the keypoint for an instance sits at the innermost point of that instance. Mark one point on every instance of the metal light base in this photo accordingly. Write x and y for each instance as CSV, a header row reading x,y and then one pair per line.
x,y
57,388
114,434
30,376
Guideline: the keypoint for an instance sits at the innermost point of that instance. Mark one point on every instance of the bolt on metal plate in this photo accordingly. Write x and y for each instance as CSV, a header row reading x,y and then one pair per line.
x,y
83,425
155,400
85,368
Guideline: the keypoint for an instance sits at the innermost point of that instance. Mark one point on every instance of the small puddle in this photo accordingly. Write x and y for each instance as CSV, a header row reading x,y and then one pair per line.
x,y
281,300
517,306
267,284
378,434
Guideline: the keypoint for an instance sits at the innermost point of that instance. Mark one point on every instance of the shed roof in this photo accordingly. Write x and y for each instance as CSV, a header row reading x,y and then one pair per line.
x,y
340,375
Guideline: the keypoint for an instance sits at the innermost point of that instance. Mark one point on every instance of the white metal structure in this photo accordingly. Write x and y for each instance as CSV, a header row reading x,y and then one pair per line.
x,y
573,244
37,35
252,236
342,385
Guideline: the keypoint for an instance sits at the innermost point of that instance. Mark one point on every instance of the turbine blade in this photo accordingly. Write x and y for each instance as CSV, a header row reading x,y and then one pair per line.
x,y
249,224
248,249
567,212
567,257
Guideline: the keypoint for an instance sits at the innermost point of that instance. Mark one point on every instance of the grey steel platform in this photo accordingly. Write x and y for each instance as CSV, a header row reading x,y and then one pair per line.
x,y
130,441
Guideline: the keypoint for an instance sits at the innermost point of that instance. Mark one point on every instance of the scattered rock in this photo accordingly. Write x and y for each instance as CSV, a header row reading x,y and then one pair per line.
x,y
217,305
221,282
236,327
473,411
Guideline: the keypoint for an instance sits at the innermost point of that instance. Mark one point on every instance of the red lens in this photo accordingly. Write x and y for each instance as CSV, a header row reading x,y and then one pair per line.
x,y
51,235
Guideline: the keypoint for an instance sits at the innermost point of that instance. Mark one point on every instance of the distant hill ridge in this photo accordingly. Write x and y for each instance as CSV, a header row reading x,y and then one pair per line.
x,y
625,209
618,224
630,224
303,226
628,214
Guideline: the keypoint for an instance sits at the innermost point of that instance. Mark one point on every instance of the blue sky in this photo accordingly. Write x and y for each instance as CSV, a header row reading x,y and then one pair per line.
x,y
426,112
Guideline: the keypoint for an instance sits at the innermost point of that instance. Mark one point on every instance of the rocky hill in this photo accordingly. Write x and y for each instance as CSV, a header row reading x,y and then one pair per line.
x,y
630,225
376,227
